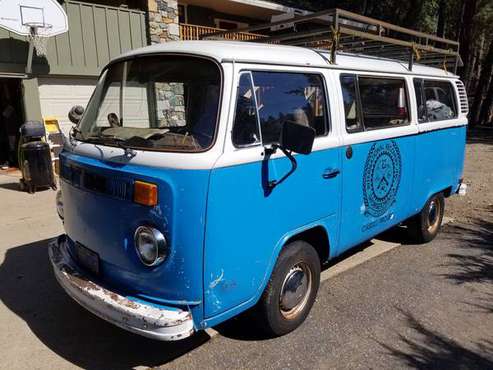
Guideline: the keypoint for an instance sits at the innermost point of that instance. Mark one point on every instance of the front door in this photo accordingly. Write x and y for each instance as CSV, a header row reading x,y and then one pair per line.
x,y
247,222
378,156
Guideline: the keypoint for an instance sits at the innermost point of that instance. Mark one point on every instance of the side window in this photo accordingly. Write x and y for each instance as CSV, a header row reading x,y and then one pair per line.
x,y
284,96
245,127
420,100
440,100
351,106
383,101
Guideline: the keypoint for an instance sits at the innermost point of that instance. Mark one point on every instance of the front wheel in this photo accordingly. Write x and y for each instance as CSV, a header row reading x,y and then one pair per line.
x,y
425,226
291,291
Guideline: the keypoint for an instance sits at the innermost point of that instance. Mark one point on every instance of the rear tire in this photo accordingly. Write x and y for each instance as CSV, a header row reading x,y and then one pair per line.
x,y
425,226
291,291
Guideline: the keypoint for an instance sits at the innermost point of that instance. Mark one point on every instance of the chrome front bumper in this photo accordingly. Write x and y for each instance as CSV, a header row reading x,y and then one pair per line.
x,y
159,323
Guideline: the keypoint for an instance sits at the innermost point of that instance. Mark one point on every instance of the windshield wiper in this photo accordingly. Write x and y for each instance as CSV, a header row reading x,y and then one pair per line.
x,y
126,144
121,143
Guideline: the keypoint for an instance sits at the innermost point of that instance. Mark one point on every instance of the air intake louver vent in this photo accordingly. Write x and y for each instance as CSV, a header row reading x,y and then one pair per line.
x,y
464,103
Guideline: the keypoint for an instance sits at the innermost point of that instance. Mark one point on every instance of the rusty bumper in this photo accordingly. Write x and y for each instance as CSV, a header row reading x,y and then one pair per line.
x,y
159,323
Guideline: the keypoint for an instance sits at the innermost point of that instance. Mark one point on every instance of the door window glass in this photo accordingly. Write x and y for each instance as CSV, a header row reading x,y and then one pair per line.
x,y
383,101
245,127
284,96
440,100
351,106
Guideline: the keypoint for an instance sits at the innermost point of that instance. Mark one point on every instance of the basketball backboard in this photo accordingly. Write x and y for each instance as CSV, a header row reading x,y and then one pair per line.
x,y
19,16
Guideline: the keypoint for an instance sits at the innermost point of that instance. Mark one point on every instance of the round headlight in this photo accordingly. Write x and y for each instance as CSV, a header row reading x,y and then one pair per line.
x,y
151,245
59,204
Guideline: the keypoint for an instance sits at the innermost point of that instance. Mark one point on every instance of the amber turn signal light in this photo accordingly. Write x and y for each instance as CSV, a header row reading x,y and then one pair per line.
x,y
145,193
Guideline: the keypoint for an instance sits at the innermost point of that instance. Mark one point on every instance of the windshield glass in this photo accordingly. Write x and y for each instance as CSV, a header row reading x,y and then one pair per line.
x,y
155,102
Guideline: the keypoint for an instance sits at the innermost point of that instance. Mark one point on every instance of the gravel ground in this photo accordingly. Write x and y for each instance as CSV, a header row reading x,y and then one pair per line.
x,y
478,175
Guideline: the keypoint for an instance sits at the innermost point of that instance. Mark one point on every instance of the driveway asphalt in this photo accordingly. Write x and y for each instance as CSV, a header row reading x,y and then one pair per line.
x,y
427,307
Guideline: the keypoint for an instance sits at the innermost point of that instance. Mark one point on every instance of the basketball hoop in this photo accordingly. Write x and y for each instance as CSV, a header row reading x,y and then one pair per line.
x,y
38,38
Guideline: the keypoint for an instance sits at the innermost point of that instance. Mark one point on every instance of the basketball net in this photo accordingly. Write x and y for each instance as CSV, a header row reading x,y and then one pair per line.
x,y
40,42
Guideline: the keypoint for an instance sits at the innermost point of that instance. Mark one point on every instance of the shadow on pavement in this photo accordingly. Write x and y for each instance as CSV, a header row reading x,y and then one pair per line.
x,y
474,263
244,327
11,186
480,135
397,234
475,266
29,289
429,349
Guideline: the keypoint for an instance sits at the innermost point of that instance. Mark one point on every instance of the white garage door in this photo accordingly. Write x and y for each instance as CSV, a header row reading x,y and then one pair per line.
x,y
58,95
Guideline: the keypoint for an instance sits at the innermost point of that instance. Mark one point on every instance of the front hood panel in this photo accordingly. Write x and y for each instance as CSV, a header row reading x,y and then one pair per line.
x,y
100,214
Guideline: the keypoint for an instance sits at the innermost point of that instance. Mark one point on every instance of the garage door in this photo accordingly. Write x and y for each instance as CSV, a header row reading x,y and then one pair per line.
x,y
58,95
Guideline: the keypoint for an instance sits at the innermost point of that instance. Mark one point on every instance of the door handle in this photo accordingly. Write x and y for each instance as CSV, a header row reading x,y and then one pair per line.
x,y
330,173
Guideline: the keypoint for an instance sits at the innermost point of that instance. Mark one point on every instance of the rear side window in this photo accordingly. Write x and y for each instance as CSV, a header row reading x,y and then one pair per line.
x,y
420,100
374,102
440,100
279,97
383,101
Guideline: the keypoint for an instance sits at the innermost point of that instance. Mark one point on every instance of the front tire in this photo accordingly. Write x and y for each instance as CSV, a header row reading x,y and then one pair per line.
x,y
425,226
291,291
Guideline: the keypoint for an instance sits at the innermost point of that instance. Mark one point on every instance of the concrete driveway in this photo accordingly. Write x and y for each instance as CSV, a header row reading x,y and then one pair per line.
x,y
412,307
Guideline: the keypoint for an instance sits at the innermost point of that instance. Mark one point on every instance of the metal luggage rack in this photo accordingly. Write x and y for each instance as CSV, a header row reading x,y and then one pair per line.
x,y
338,30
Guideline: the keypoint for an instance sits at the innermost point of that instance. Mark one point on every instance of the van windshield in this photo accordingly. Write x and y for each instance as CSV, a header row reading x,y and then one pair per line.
x,y
161,102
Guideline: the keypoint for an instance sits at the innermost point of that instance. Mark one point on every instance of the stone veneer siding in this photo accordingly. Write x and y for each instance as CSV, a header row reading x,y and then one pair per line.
x,y
163,21
163,27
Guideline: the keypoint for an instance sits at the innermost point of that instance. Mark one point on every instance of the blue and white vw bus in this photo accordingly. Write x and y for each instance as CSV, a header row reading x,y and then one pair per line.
x,y
208,178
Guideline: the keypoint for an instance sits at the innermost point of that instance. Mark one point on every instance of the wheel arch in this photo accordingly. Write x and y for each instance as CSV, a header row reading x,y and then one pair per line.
x,y
315,232
317,237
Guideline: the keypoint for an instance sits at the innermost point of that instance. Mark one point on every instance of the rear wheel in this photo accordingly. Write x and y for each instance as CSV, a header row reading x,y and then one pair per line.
x,y
425,226
291,291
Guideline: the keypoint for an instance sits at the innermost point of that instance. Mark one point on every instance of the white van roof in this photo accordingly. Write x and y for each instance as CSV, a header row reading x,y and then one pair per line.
x,y
227,51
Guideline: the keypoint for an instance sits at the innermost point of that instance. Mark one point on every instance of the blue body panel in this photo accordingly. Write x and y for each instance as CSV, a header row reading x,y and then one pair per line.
x,y
359,221
247,225
439,161
226,229
106,224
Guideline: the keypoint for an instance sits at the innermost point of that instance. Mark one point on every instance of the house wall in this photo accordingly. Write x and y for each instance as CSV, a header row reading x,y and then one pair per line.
x,y
163,21
205,17
97,33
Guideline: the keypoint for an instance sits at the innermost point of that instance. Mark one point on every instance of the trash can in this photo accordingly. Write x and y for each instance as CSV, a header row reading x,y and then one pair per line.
x,y
37,170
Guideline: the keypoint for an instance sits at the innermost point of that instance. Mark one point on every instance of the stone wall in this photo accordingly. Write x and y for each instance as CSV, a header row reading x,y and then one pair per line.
x,y
163,21
170,101
163,27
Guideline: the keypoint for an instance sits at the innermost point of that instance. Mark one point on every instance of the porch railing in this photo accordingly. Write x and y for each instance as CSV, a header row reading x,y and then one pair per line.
x,y
194,32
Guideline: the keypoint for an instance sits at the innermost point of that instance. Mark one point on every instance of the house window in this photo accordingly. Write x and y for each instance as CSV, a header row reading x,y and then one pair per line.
x,y
182,14
229,25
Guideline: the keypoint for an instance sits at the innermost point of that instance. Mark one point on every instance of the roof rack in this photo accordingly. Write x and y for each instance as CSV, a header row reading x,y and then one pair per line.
x,y
340,30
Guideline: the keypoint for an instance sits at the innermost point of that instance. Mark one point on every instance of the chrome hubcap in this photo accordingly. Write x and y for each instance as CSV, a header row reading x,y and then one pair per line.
x,y
433,214
295,290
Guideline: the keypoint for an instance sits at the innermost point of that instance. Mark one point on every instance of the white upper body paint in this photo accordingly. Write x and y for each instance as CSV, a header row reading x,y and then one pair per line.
x,y
234,57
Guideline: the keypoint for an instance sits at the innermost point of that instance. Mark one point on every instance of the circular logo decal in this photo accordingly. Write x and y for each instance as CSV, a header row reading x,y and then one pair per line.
x,y
381,177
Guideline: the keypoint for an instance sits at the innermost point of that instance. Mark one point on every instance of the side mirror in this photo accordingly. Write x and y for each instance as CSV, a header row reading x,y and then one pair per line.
x,y
75,114
294,138
297,138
